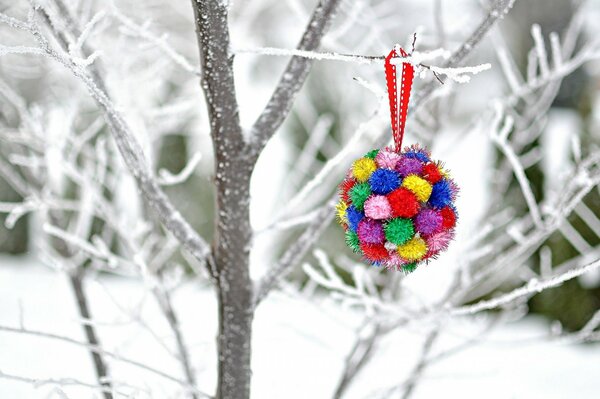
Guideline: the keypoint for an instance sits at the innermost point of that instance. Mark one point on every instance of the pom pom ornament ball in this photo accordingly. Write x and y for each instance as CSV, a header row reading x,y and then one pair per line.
x,y
397,208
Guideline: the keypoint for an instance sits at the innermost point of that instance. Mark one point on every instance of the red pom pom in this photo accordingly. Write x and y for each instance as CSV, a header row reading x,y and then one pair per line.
x,y
374,252
431,173
449,218
403,202
345,187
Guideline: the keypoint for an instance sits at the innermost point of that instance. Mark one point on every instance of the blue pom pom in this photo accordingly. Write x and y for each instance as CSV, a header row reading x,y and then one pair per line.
x,y
384,181
421,156
441,195
354,217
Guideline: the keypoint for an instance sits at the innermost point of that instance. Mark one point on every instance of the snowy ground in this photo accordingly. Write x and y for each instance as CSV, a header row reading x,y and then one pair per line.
x,y
298,349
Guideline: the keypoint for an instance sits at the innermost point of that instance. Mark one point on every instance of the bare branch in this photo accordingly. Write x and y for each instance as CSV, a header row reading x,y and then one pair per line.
x,y
133,156
531,288
498,9
292,79
103,352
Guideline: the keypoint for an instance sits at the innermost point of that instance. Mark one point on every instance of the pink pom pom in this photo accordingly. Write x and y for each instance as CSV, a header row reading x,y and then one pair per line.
x,y
439,241
394,261
378,207
387,159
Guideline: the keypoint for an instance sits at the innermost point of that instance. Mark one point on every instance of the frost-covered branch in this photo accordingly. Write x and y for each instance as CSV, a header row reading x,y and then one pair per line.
x,y
130,150
142,366
292,79
497,10
531,288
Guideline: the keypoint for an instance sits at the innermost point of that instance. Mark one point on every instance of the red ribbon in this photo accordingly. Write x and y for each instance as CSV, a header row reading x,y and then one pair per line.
x,y
399,94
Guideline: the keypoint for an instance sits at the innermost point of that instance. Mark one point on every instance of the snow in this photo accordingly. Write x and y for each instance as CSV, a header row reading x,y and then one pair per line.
x,y
298,348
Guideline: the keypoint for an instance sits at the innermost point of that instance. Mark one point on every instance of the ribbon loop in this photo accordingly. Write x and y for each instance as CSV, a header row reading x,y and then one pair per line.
x,y
399,94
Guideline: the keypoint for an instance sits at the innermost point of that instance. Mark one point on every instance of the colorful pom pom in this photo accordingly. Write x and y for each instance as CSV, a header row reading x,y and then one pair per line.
x,y
371,231
352,241
354,216
387,159
374,252
441,194
378,207
340,211
431,173
428,221
384,181
413,250
359,194
397,208
372,154
419,186
399,230
362,169
345,188
404,203
409,166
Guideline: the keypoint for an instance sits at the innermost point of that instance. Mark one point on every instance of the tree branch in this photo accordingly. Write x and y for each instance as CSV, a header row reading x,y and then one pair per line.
x,y
128,146
498,9
292,79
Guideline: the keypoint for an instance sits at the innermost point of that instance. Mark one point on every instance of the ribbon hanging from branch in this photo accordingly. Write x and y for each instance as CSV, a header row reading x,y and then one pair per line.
x,y
399,93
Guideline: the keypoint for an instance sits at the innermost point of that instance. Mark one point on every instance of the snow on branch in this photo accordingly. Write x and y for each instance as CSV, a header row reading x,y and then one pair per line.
x,y
533,287
417,59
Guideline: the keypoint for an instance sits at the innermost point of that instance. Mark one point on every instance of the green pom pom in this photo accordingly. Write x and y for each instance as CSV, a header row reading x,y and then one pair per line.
x,y
409,268
352,241
359,195
399,231
372,154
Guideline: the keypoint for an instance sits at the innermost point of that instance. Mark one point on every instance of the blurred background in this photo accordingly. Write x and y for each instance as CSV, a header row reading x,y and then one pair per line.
x,y
539,103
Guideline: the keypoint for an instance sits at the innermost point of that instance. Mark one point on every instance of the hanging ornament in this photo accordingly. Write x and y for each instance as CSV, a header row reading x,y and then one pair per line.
x,y
397,206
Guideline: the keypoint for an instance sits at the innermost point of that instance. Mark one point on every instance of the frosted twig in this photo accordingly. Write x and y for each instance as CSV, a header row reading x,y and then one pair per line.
x,y
292,79
532,287
540,49
103,352
39,382
159,41
164,300
134,158
4,50
166,178
500,138
313,55
85,33
421,363
497,10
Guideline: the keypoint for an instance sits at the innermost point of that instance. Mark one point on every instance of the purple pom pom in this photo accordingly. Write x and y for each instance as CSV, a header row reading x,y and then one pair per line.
x,y
428,221
371,231
409,166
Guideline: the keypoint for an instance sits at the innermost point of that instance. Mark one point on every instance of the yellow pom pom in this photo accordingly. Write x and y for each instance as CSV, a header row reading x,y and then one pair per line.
x,y
443,171
420,187
362,169
413,249
340,210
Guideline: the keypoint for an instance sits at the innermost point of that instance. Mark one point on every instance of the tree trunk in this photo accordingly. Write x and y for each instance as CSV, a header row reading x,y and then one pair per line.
x,y
231,252
233,168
